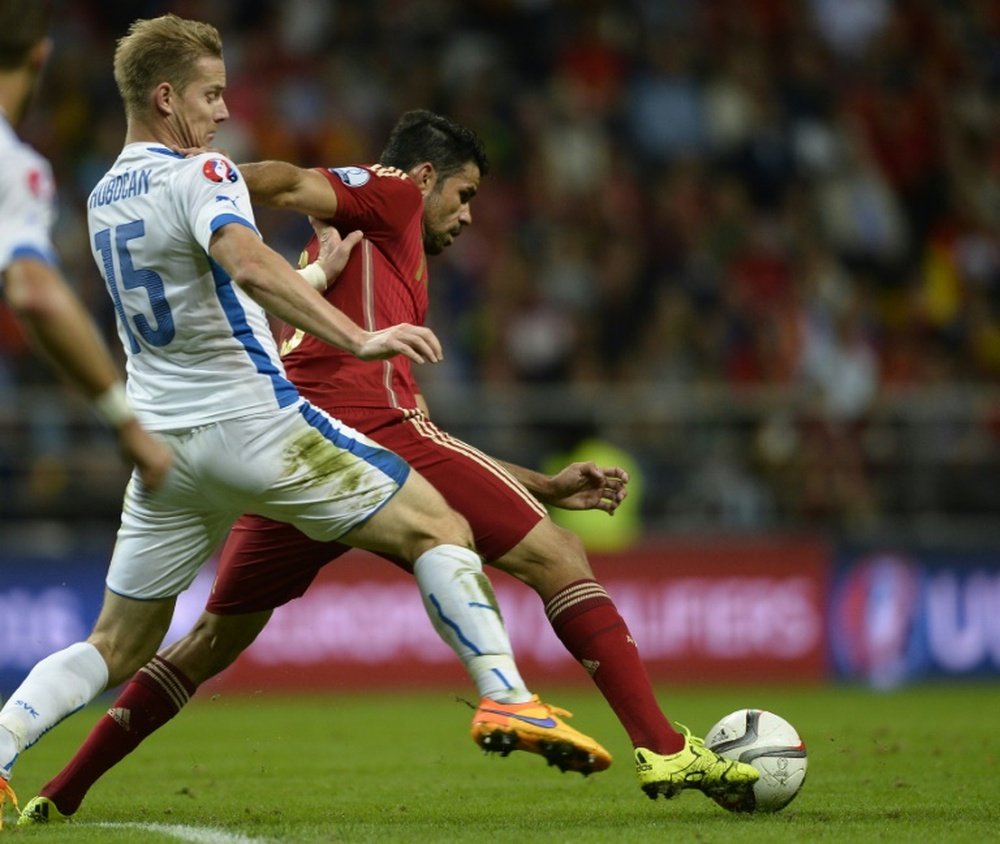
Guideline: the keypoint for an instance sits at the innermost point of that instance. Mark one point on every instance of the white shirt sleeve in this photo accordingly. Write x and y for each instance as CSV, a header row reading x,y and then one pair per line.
x,y
27,208
213,193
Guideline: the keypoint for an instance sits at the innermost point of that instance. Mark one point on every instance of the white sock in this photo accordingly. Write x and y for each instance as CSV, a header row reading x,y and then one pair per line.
x,y
57,686
459,599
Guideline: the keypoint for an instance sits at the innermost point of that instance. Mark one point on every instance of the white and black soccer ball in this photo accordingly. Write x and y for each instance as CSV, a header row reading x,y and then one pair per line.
x,y
769,743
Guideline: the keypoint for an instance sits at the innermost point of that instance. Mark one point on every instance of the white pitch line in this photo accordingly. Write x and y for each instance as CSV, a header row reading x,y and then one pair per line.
x,y
194,834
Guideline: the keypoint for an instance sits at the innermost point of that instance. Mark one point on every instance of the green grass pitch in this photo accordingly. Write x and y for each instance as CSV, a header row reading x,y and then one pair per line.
x,y
920,764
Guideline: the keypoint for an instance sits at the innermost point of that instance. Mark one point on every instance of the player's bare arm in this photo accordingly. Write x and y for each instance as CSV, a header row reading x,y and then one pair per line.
x,y
61,330
275,286
283,185
579,486
59,326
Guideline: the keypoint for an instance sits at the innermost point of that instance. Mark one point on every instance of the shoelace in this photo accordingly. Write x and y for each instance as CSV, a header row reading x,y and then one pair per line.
x,y
7,793
698,744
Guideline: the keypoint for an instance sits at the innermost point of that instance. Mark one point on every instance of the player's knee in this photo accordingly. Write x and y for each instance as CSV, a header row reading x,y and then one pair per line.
x,y
443,526
450,528
459,530
432,520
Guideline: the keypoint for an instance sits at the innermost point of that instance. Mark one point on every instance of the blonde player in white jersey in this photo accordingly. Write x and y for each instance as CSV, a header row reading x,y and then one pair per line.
x,y
190,278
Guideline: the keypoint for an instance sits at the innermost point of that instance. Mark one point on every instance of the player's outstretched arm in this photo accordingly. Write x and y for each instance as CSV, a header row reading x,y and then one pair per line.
x,y
579,486
61,330
282,185
278,289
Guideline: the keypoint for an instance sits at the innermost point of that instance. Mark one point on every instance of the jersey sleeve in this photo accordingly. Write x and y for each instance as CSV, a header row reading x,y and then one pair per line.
x,y
380,201
213,193
27,208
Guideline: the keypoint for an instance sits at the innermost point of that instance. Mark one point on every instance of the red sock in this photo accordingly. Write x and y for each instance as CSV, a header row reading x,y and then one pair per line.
x,y
589,625
153,696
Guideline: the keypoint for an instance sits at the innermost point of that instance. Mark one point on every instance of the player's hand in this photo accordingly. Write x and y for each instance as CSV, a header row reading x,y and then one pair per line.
x,y
333,249
416,342
149,453
586,486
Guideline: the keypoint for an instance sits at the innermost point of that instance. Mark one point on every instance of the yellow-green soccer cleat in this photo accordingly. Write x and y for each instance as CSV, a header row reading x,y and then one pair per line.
x,y
6,793
39,810
693,766
537,728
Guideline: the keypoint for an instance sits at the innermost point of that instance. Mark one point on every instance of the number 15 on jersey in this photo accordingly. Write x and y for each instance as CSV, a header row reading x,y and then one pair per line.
x,y
110,243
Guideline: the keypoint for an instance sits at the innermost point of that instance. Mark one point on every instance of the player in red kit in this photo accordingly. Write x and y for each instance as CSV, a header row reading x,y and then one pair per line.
x,y
415,202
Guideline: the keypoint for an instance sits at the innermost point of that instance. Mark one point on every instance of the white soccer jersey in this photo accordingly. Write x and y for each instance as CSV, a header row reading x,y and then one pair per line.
x,y
199,349
27,201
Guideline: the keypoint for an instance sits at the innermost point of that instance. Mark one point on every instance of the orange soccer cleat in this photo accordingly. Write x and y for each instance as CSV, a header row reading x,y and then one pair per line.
x,y
537,728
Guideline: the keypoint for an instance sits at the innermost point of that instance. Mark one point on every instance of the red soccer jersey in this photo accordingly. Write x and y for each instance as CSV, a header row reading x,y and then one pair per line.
x,y
384,283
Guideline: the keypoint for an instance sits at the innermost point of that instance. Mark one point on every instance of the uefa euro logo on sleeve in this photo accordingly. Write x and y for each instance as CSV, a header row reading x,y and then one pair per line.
x,y
40,184
219,170
353,177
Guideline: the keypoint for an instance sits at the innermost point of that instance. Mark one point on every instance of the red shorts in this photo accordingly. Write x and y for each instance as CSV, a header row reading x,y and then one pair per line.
x,y
265,564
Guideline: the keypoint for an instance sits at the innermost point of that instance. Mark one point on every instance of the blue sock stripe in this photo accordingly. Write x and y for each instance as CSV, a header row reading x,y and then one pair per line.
x,y
437,605
489,607
503,679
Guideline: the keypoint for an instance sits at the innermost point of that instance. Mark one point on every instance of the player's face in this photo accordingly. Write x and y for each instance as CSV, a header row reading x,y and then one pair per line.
x,y
446,208
200,108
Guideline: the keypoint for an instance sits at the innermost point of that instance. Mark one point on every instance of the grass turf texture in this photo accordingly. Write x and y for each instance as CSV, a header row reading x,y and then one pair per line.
x,y
920,764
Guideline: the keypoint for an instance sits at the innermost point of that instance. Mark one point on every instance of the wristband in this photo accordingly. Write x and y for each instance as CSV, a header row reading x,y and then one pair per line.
x,y
313,273
113,406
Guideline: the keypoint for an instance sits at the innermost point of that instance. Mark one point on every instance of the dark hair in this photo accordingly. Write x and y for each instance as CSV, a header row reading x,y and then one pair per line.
x,y
23,23
421,135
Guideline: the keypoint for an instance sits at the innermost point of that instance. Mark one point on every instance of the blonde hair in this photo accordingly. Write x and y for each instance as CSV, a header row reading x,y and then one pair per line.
x,y
163,49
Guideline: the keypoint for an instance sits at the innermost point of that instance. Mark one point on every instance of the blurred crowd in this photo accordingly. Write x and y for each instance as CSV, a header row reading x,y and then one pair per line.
x,y
796,195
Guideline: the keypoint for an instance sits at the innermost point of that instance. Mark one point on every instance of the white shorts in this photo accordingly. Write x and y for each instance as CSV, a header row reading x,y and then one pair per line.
x,y
297,465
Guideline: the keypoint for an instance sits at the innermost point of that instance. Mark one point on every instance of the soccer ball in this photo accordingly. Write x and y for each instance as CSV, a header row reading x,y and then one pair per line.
x,y
769,743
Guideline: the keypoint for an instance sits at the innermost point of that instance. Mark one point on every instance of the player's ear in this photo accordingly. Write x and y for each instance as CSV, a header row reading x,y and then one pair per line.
x,y
39,54
424,177
163,98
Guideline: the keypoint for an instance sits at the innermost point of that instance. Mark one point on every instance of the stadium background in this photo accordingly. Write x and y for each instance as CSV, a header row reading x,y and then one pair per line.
x,y
749,249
